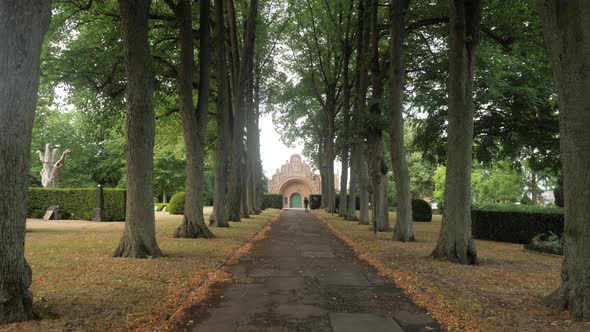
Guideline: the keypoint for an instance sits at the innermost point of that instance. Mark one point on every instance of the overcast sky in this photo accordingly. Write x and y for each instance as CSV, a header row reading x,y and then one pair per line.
x,y
273,152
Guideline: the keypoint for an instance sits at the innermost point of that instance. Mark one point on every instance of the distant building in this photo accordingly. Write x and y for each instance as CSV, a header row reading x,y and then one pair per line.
x,y
296,180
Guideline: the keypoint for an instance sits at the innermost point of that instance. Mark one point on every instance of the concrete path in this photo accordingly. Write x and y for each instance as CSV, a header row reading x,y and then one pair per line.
x,y
302,278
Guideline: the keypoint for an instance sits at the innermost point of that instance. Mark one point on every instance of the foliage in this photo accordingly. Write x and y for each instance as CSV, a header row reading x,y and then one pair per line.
x,y
515,224
272,201
548,242
76,203
497,183
176,205
421,210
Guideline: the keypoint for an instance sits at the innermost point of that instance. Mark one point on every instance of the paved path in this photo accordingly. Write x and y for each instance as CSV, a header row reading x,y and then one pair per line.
x,y
302,278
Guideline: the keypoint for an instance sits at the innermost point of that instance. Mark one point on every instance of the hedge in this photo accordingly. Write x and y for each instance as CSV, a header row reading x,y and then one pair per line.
x,y
357,201
176,205
315,201
516,223
272,201
76,203
421,210
160,206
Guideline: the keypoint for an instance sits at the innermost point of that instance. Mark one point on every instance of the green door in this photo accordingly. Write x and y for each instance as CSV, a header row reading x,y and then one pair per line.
x,y
296,201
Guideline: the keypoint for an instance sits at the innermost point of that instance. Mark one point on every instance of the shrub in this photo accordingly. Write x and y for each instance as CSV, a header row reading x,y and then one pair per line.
x,y
515,223
161,206
357,201
156,200
76,203
547,242
176,205
272,201
421,210
315,201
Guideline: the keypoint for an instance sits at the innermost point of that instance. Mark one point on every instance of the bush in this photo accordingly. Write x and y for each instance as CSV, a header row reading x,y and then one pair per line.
x,y
547,242
156,200
176,205
421,210
315,201
76,203
357,201
161,206
272,201
515,223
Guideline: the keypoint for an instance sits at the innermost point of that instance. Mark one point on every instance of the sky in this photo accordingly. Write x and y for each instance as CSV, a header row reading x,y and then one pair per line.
x,y
272,151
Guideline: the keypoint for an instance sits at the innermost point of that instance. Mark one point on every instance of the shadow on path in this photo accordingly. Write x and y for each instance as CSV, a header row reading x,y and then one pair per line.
x,y
302,278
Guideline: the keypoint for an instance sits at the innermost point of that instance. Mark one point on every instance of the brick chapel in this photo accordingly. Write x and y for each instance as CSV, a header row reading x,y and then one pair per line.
x,y
296,180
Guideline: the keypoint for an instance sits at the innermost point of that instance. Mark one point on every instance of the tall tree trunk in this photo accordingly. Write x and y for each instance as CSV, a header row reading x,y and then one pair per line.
x,y
376,156
194,123
329,162
404,226
566,28
219,215
139,236
455,242
534,186
364,188
354,179
343,207
23,25
258,172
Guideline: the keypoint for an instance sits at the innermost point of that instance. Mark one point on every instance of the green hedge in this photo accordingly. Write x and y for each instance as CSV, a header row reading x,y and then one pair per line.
x,y
421,210
160,206
176,205
357,201
76,203
272,201
315,201
515,223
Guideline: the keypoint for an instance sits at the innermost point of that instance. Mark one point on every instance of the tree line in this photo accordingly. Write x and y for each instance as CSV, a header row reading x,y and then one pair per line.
x,y
356,61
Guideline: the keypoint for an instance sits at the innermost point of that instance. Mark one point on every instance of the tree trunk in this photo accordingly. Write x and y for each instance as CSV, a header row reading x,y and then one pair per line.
x,y
23,25
329,163
376,157
534,186
194,123
258,172
342,208
219,215
354,180
139,236
404,226
566,28
455,242
364,189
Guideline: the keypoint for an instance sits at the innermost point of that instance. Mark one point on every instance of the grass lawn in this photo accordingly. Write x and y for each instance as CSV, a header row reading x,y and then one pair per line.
x,y
504,292
78,285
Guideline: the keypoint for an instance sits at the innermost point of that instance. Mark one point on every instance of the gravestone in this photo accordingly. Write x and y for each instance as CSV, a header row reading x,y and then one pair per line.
x,y
53,213
99,208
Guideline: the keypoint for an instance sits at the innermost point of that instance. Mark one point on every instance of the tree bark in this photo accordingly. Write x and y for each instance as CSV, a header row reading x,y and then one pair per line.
x,y
376,156
566,29
23,25
364,188
194,123
139,236
219,215
404,226
455,242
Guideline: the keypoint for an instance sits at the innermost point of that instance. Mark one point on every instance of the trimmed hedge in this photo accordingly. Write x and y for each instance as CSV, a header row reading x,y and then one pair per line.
x,y
76,203
272,201
176,205
515,223
160,206
357,201
315,201
421,210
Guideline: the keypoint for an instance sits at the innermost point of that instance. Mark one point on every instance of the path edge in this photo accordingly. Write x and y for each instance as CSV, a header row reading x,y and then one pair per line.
x,y
449,318
201,291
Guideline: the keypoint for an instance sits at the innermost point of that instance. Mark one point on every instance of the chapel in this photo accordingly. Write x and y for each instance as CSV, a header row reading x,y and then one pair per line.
x,y
296,180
